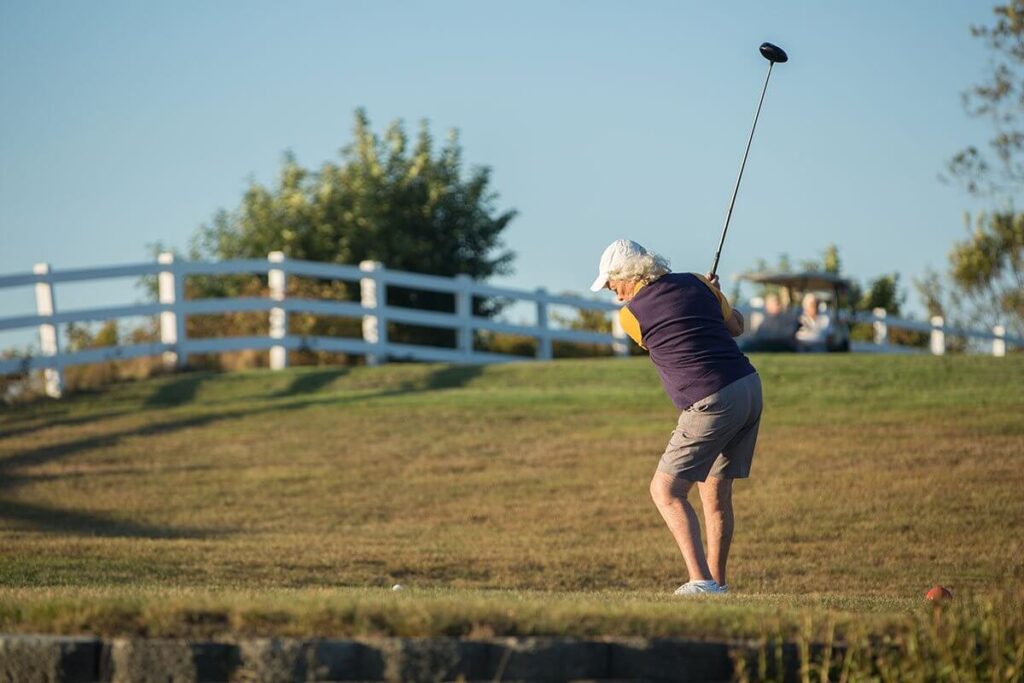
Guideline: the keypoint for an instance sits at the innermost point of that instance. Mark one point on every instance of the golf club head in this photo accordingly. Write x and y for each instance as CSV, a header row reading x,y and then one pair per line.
x,y
773,53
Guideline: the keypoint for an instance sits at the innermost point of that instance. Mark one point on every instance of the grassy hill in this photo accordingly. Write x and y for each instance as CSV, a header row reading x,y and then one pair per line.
x,y
506,498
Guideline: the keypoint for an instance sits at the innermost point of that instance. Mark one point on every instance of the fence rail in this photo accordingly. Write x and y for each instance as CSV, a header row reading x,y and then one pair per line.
x,y
937,331
175,347
374,279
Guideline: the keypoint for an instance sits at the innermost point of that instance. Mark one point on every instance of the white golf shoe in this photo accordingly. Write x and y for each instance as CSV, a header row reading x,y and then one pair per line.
x,y
707,587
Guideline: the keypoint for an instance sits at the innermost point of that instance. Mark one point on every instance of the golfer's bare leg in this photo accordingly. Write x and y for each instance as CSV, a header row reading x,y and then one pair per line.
x,y
716,497
669,494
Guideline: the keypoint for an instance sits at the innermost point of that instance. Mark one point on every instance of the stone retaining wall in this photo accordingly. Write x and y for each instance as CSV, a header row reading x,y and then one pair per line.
x,y
28,659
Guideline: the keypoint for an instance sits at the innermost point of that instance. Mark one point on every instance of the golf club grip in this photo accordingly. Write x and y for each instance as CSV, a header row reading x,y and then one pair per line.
x,y
743,164
714,266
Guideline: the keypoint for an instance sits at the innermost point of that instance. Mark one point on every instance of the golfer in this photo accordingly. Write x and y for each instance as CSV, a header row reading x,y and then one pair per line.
x,y
687,325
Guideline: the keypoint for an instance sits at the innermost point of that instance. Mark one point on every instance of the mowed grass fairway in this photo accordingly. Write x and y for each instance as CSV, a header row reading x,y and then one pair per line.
x,y
507,499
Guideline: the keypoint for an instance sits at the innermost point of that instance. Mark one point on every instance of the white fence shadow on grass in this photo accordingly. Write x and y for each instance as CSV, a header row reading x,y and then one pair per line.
x,y
175,347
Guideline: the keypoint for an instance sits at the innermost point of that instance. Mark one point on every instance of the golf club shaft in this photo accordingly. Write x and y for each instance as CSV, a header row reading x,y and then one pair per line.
x,y
728,214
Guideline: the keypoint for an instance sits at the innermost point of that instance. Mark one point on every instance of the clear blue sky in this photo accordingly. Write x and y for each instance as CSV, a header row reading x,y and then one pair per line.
x,y
124,124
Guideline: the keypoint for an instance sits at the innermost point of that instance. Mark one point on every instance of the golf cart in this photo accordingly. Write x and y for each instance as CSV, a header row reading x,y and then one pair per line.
x,y
802,312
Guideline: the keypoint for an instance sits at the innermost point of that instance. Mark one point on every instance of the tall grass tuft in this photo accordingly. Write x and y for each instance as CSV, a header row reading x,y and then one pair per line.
x,y
972,638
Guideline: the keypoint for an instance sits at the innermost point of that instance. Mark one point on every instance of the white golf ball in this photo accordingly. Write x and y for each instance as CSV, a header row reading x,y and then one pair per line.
x,y
398,587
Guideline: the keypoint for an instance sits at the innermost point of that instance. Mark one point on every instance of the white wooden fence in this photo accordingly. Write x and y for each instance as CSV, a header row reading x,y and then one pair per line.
x,y
936,329
374,279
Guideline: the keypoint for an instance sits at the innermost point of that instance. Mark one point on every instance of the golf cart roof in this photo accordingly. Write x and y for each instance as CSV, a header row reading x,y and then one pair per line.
x,y
802,281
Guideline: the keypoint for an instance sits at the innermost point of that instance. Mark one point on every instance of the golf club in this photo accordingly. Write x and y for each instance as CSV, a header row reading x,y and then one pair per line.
x,y
773,53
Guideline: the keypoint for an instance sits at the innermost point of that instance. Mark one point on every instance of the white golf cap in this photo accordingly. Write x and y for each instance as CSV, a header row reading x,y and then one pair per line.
x,y
612,258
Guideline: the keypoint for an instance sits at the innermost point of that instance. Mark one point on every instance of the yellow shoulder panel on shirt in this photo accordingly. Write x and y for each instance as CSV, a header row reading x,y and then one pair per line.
x,y
631,326
726,308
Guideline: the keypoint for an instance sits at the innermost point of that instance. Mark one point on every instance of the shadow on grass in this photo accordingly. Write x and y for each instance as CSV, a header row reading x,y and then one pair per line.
x,y
47,454
72,522
62,422
170,394
453,376
23,479
183,391
177,392
311,382
55,519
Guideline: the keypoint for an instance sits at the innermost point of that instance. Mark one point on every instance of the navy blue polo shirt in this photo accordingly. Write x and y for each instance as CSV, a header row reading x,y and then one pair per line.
x,y
680,319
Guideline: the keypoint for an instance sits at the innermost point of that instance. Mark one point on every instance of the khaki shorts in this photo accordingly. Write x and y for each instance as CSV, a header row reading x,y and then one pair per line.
x,y
716,435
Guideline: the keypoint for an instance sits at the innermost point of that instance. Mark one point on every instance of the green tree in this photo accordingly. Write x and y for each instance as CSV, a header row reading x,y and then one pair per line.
x,y
986,275
985,278
412,209
999,170
830,261
405,203
882,292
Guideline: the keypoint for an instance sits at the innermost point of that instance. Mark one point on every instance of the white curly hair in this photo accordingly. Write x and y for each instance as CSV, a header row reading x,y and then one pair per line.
x,y
642,269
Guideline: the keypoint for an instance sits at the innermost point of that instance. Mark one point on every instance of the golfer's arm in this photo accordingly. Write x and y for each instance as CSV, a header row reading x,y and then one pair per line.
x,y
733,318
734,323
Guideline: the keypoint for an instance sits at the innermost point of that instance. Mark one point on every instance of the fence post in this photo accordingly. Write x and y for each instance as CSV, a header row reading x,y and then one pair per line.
x,y
544,351
464,313
880,326
172,322
999,341
620,347
938,340
373,297
278,281
49,339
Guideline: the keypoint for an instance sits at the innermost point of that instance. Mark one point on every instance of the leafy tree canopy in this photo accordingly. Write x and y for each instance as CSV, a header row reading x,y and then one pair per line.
x,y
999,169
985,279
986,275
409,206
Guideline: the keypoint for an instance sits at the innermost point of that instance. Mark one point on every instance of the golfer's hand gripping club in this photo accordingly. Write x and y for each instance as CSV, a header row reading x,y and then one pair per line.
x,y
773,54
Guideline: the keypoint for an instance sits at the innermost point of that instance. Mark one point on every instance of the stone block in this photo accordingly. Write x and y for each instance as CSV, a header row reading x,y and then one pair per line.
x,y
166,661
32,659
346,660
670,659
274,660
550,659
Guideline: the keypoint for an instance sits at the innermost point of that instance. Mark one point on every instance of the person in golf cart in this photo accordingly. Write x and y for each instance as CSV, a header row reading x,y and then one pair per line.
x,y
688,326
815,324
818,325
